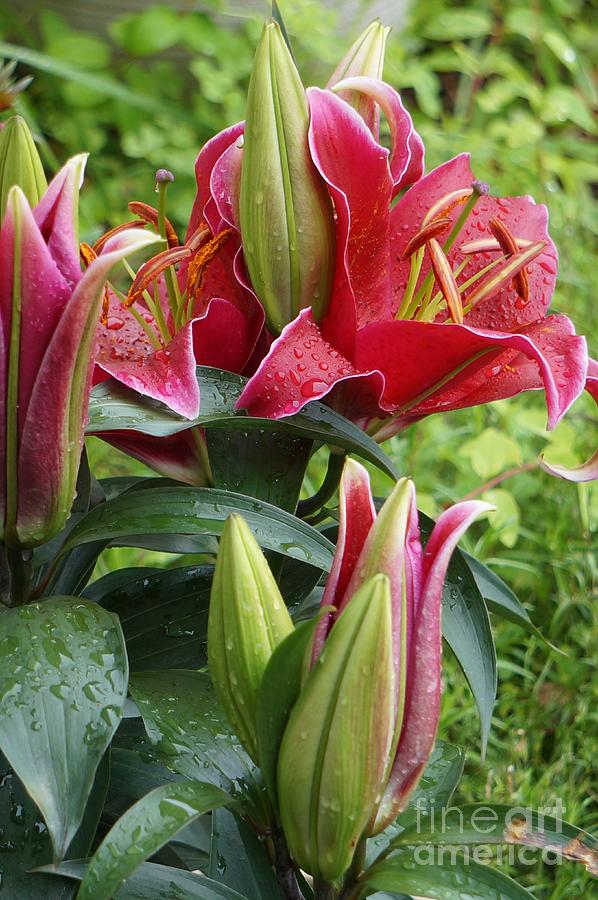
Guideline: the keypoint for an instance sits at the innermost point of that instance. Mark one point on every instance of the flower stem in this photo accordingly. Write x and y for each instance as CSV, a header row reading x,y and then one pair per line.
x,y
15,580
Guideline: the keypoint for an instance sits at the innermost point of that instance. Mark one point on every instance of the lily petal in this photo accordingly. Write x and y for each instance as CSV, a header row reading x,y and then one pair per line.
x,y
588,471
301,366
422,703
431,367
407,153
356,517
355,168
56,215
203,207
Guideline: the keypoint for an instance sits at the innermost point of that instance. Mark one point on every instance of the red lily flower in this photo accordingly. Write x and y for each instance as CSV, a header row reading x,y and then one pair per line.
x,y
154,348
409,330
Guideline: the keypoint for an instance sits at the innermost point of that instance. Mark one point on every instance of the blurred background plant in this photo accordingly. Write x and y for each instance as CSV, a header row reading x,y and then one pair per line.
x,y
142,86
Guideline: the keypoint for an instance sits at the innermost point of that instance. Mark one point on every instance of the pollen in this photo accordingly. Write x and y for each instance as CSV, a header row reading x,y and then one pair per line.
x,y
202,257
447,204
433,230
509,246
446,281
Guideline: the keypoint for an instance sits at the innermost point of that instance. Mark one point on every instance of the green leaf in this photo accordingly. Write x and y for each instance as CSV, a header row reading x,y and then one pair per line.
x,y
115,407
157,882
435,788
191,734
492,823
268,465
279,690
63,681
163,614
467,630
101,83
142,830
25,843
238,858
416,872
200,511
500,599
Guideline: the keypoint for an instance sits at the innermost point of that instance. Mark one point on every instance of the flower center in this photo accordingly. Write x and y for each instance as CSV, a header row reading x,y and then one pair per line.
x,y
441,286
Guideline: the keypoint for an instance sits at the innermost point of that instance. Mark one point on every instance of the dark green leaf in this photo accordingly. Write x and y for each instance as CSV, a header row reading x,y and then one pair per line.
x,y
268,465
63,682
467,630
158,882
499,597
193,511
115,407
142,830
113,581
191,734
164,615
238,859
24,844
417,872
279,690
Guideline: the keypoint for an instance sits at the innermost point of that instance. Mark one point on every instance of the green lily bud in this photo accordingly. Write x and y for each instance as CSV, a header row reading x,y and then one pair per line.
x,y
19,163
247,621
286,215
364,58
334,753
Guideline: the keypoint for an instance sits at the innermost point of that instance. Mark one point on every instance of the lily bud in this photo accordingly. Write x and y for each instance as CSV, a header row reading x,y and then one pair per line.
x,y
364,58
49,312
247,621
286,215
334,752
19,163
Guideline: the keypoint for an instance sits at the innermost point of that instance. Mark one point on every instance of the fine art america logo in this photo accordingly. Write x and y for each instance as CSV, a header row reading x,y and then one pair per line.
x,y
504,835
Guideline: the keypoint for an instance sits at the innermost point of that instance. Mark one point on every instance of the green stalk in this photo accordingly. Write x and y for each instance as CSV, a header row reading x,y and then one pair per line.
x,y
405,309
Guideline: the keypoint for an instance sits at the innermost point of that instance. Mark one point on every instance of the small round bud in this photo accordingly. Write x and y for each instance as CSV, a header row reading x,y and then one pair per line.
x,y
164,175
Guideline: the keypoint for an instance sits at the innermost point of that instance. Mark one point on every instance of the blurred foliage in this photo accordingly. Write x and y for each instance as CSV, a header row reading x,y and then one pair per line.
x,y
510,81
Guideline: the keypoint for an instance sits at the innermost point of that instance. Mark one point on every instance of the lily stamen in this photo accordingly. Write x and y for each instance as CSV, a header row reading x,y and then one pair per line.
x,y
489,245
509,247
152,269
446,205
504,275
149,214
432,230
88,254
446,281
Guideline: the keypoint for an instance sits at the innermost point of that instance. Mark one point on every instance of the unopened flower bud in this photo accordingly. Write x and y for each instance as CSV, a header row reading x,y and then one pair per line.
x,y
286,215
335,750
364,58
19,163
247,621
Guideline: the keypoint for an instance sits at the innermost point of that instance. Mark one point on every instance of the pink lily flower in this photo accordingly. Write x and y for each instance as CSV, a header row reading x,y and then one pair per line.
x,y
438,303
390,544
154,348
48,315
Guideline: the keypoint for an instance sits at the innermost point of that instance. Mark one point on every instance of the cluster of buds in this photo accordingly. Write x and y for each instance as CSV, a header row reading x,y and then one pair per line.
x,y
364,723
